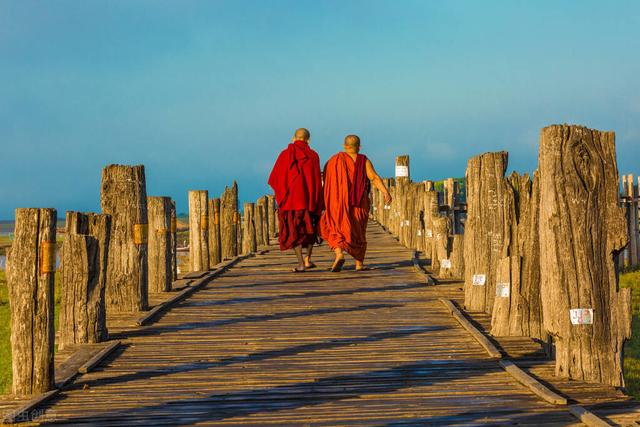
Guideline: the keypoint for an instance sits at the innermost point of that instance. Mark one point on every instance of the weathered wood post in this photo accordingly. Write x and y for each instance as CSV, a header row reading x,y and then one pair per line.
x,y
174,241
199,230
629,192
229,221
124,197
440,241
430,212
83,275
271,208
484,229
402,169
31,263
456,258
264,223
517,308
581,228
259,219
160,256
215,241
250,243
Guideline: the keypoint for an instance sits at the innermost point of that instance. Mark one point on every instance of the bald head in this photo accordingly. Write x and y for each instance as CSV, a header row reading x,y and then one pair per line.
x,y
302,134
352,143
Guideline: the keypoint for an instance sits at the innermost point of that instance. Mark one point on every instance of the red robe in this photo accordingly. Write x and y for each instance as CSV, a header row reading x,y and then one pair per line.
x,y
346,197
297,183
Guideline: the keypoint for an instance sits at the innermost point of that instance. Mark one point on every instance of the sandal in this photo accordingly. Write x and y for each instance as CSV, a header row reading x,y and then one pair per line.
x,y
337,265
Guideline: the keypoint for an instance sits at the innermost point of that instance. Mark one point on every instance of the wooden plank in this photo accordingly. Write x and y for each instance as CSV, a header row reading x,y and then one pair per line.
x,y
195,274
475,333
98,357
24,412
587,417
532,384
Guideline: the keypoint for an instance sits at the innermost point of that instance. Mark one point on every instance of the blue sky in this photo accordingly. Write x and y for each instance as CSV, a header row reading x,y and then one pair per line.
x,y
202,92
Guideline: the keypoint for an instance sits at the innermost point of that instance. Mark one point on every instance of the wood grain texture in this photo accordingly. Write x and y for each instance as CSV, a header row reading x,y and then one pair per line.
x,y
484,228
30,283
160,244
199,230
250,243
215,240
83,275
518,312
124,197
582,227
228,222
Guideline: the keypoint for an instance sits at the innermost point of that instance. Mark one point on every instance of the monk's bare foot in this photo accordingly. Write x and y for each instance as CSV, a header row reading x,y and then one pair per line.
x,y
308,264
298,269
337,264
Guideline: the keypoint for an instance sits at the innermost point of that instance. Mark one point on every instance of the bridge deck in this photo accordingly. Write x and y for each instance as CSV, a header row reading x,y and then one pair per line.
x,y
263,346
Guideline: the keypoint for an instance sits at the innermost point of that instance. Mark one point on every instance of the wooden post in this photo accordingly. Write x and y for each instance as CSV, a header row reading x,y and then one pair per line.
x,y
441,230
517,307
174,241
632,211
239,233
271,208
31,263
259,219
199,230
484,229
229,219
160,271
456,258
581,228
430,212
83,275
215,248
250,243
402,169
124,197
264,223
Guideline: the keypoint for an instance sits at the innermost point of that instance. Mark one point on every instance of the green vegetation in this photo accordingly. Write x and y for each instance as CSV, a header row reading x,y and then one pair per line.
x,y
462,185
632,348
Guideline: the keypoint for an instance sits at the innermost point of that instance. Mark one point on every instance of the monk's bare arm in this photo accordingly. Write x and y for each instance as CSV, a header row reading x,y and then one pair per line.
x,y
377,182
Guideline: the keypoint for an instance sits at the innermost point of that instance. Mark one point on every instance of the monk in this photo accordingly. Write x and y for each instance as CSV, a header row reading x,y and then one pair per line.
x,y
297,183
347,180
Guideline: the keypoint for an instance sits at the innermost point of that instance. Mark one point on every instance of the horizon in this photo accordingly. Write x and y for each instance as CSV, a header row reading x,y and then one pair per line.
x,y
205,93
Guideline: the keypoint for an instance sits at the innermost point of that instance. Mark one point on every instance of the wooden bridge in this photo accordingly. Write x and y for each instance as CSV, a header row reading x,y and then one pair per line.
x,y
259,345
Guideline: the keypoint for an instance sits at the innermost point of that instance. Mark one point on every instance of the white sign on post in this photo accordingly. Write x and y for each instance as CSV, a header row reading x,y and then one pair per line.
x,y
419,232
479,279
429,233
503,290
402,171
445,263
581,316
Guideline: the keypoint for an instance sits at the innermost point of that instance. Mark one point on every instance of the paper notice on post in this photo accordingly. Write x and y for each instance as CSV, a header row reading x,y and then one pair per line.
x,y
479,279
402,171
581,316
503,290
429,233
445,263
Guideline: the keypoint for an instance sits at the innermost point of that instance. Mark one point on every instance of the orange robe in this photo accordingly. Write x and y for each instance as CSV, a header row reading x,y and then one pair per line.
x,y
343,225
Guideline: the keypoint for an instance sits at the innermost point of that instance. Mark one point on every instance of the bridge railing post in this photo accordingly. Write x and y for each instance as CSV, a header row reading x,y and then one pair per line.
x,y
250,243
199,230
583,309
215,241
83,275
229,218
31,263
160,244
124,197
